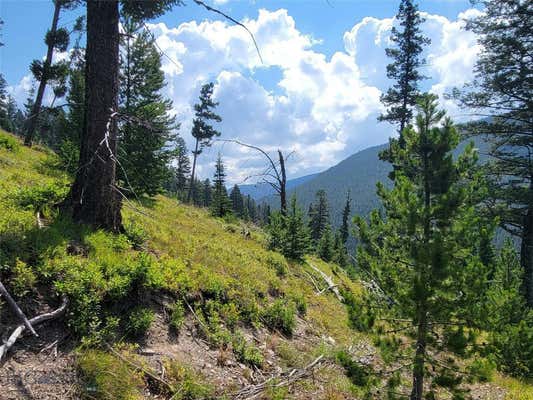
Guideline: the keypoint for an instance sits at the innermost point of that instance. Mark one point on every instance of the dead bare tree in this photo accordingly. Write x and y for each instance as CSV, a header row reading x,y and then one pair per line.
x,y
274,175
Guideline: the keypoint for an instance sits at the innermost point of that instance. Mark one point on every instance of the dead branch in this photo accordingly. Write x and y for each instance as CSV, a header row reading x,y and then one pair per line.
x,y
286,378
208,8
140,368
16,309
331,285
34,321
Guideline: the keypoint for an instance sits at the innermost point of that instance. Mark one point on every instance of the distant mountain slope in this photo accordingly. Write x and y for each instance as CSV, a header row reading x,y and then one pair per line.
x,y
260,190
359,174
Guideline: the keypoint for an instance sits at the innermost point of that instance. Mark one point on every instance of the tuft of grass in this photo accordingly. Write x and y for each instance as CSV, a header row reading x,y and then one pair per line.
x,y
188,384
105,377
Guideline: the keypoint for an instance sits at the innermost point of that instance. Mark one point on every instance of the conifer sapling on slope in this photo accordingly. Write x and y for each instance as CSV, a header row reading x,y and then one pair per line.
x,y
420,246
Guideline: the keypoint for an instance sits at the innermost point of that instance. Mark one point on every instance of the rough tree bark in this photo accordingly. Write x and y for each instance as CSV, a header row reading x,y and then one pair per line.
x,y
36,109
94,198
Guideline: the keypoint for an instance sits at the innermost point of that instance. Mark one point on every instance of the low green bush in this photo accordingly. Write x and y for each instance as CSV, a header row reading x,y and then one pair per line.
x,y
139,321
41,196
177,316
280,315
8,142
187,383
245,352
355,371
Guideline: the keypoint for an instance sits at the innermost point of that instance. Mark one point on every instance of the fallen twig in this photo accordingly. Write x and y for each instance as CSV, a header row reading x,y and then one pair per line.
x,y
34,321
16,309
286,378
140,368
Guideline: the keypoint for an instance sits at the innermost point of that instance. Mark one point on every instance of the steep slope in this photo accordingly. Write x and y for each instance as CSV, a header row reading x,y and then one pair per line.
x,y
180,306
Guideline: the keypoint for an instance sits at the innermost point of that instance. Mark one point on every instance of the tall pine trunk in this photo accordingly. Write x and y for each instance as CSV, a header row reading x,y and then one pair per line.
x,y
191,184
36,109
94,197
526,251
418,367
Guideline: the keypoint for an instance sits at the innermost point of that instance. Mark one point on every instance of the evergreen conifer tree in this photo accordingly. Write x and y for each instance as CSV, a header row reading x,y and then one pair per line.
x,y
421,249
319,217
182,167
502,90
408,43
237,201
220,204
325,247
202,131
147,130
207,193
344,230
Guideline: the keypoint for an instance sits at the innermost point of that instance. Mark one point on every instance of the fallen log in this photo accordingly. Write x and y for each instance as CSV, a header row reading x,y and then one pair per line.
x,y
34,321
331,285
286,378
16,309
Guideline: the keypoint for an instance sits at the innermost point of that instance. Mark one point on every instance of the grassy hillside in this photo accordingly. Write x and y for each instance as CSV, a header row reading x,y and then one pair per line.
x,y
181,306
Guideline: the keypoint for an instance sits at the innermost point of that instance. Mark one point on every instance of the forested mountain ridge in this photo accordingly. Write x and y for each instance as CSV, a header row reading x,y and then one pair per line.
x,y
357,174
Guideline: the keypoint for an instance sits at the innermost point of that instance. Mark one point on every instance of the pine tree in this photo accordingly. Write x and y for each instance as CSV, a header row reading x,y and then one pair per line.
x,y
207,193
220,204
237,201
69,148
344,229
147,130
421,248
5,123
46,72
319,218
408,42
94,198
183,167
325,247
502,90
202,131
296,235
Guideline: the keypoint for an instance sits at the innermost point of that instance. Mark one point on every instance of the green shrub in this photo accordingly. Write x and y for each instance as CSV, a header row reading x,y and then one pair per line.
x,y
246,353
187,383
482,369
278,263
388,347
8,142
135,234
38,197
139,321
105,377
456,340
300,303
356,372
361,314
177,316
280,315
23,278
512,346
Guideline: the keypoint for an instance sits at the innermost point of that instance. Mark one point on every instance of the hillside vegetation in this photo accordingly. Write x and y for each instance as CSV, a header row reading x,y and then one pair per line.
x,y
182,305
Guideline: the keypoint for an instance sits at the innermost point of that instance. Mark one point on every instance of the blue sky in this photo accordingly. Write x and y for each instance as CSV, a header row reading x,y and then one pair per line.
x,y
317,92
